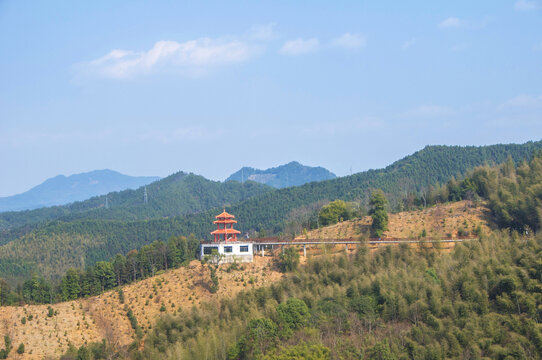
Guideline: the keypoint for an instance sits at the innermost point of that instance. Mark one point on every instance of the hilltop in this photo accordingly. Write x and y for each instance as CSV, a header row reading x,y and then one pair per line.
x,y
291,174
439,221
97,234
175,195
61,190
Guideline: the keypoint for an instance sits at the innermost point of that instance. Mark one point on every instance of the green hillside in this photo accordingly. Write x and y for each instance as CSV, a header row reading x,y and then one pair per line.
x,y
394,304
176,195
428,167
51,249
481,300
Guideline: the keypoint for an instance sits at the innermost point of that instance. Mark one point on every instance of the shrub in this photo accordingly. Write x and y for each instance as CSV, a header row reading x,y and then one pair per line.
x,y
292,315
288,260
335,211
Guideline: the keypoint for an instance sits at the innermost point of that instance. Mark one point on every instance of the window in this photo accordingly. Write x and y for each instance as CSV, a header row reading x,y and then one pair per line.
x,y
208,250
244,248
228,249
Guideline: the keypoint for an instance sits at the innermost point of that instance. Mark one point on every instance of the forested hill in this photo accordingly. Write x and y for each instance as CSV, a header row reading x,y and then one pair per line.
x,y
176,195
429,166
53,248
291,174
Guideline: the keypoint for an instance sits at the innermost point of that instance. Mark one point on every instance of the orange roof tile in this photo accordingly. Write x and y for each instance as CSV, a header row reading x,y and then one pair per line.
x,y
224,215
225,231
228,221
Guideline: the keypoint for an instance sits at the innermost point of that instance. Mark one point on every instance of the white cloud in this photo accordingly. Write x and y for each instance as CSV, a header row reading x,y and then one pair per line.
x,y
409,43
192,56
522,101
263,32
429,111
451,22
350,41
300,46
526,5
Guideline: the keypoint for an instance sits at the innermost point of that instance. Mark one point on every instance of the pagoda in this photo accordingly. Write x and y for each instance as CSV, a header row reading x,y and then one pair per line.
x,y
224,230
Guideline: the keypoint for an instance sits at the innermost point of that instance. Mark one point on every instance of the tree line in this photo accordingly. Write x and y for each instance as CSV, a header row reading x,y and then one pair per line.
x,y
104,275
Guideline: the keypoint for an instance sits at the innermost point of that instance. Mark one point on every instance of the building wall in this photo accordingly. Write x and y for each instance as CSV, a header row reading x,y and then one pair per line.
x,y
229,251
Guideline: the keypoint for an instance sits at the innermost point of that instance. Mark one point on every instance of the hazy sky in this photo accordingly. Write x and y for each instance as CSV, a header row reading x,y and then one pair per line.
x,y
154,87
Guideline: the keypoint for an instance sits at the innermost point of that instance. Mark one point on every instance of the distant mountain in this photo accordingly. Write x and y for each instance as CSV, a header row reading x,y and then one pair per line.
x,y
62,189
291,174
175,195
82,238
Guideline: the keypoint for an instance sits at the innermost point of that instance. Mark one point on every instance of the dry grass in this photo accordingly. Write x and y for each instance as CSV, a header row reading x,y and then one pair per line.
x,y
93,319
440,221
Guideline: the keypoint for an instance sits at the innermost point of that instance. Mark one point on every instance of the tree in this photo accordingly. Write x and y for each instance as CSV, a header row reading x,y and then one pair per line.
x,y
378,212
381,351
213,288
132,263
288,260
334,212
119,266
105,275
37,290
302,351
173,252
70,287
4,292
292,315
261,334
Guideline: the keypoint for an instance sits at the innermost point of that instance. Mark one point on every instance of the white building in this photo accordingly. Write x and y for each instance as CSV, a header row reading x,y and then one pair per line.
x,y
227,252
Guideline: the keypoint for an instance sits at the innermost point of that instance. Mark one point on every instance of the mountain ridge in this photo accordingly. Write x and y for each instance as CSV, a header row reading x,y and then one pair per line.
x,y
290,174
269,212
62,189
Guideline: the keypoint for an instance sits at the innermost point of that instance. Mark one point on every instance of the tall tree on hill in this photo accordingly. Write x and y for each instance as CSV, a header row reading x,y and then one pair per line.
x,y
70,285
378,212
5,292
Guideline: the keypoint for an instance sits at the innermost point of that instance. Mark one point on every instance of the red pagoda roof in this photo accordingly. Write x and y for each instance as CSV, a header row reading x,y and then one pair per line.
x,y
228,221
225,231
224,215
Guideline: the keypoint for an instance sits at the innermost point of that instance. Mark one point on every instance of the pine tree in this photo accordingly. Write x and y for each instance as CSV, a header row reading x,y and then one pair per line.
x,y
378,212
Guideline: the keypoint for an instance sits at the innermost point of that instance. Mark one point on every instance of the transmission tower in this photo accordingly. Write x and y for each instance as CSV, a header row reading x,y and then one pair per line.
x,y
145,196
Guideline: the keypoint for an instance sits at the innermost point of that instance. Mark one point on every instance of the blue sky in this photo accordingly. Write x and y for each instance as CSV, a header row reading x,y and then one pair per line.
x,y
154,87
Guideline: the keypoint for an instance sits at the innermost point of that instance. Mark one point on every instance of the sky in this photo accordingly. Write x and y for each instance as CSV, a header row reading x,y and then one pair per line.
x,y
156,87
